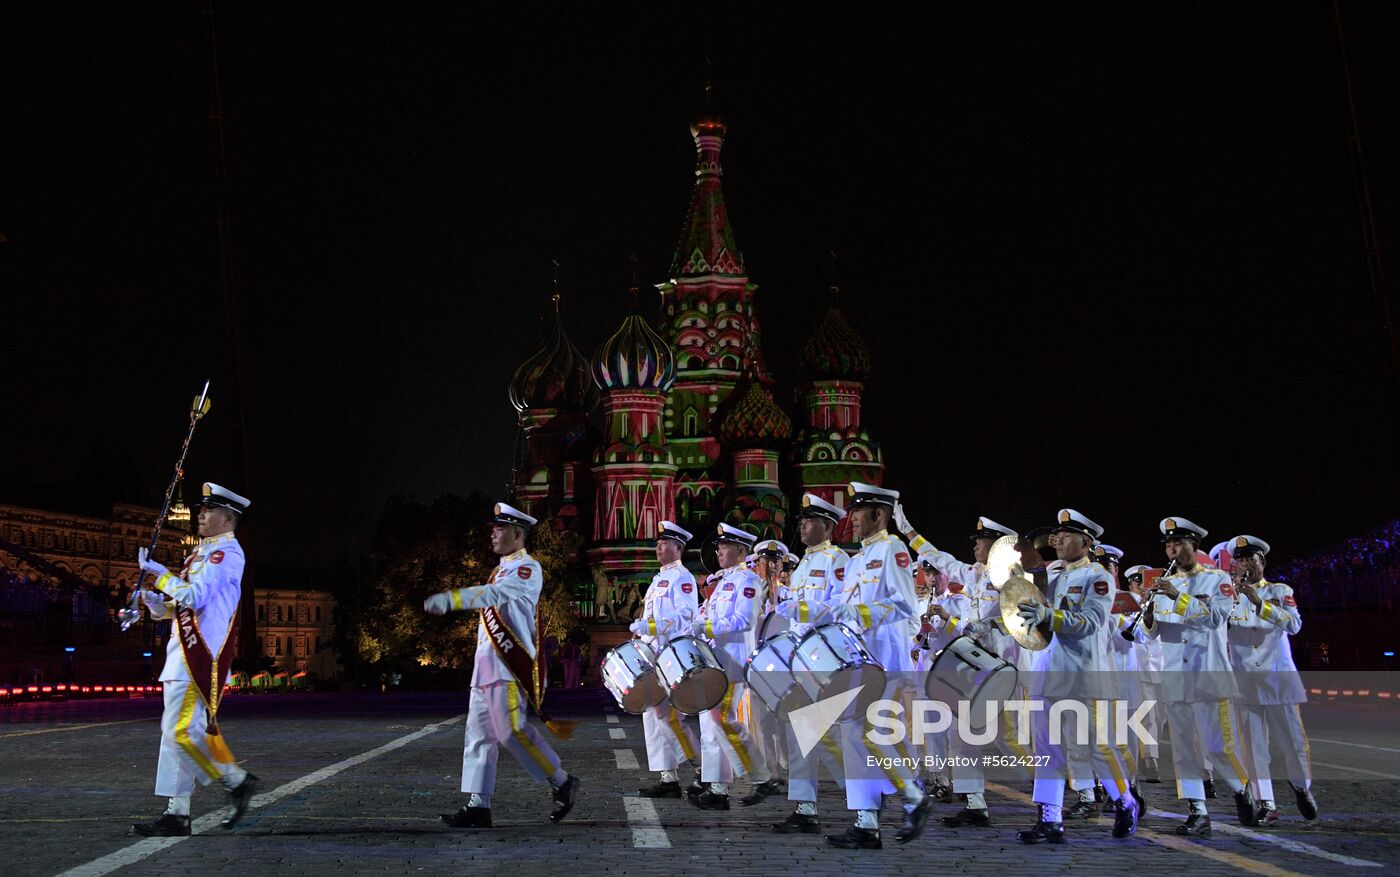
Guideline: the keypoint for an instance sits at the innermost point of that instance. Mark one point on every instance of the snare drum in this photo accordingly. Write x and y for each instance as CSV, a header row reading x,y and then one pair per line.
x,y
692,674
771,625
965,672
629,672
838,662
771,676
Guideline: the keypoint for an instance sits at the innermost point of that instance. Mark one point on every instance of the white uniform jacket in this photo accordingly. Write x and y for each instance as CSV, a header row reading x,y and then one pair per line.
x,y
670,606
730,616
209,582
1195,657
877,601
819,578
960,611
1076,662
1259,648
514,589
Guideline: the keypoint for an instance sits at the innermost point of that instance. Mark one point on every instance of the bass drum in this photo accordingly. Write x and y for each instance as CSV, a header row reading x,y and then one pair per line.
x,y
629,672
967,675
692,675
771,625
839,662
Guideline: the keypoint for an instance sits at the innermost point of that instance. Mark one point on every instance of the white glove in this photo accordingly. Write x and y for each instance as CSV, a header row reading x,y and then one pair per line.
x,y
438,604
901,521
143,560
847,614
152,598
698,628
639,627
1034,614
978,628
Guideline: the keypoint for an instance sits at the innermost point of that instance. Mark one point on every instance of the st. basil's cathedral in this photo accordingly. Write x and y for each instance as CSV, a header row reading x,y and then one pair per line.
x,y
690,429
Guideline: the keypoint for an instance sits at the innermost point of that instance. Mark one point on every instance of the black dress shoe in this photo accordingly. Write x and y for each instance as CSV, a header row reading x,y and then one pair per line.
x,y
856,839
695,790
975,818
941,791
469,817
914,821
1082,809
1100,793
1244,807
168,825
242,797
564,798
1139,801
708,800
1210,787
1043,832
796,823
1196,825
662,790
1307,804
760,791
1125,822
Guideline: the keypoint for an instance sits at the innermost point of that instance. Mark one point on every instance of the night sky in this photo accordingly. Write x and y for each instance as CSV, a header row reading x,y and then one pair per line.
x,y
1105,258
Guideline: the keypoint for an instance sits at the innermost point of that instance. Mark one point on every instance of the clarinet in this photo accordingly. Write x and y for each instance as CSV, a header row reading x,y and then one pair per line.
x,y
1129,631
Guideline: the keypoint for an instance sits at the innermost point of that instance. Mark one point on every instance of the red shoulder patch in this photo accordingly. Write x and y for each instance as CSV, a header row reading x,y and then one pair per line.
x,y
840,574
1101,588
749,592
1227,589
1289,601
216,557
526,571
902,559
687,587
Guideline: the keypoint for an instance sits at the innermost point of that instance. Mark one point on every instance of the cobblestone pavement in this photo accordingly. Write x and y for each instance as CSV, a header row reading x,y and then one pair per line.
x,y
74,776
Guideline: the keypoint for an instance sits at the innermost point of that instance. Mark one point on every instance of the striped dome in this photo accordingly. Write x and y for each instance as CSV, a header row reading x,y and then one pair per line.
x,y
634,358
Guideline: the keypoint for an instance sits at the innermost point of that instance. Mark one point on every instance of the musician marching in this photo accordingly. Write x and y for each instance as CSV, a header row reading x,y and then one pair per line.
x,y
1265,615
948,605
504,676
668,610
1187,613
726,620
1074,667
817,580
1148,657
202,601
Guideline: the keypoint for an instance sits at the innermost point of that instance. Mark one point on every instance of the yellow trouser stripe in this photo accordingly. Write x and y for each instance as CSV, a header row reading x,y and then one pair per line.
x,y
885,763
518,731
457,599
674,720
1227,739
732,732
182,733
1008,736
864,610
1108,755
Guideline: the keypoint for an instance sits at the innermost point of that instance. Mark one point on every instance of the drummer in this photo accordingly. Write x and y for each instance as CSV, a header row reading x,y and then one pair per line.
x,y
726,621
669,610
947,605
766,730
816,581
983,624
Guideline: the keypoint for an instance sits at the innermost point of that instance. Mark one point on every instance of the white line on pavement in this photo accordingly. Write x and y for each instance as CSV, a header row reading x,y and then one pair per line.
x,y
617,734
647,832
1278,841
626,759
152,845
1374,773
612,719
1357,745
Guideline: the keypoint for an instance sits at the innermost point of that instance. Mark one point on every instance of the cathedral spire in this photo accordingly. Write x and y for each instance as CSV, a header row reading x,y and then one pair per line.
x,y
707,244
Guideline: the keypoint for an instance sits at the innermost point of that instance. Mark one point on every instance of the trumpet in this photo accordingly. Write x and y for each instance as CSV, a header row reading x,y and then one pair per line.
x,y
1128,632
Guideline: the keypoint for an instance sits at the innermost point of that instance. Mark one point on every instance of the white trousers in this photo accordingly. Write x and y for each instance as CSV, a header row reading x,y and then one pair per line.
x,y
496,718
1074,756
1199,731
669,739
726,747
895,763
1281,724
185,758
803,769
1152,721
969,776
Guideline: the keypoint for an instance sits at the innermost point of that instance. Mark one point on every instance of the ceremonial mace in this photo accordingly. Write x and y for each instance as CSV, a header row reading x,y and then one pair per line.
x,y
132,614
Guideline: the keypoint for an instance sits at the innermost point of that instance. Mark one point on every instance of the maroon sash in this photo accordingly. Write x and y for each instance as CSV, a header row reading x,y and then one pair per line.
x,y
512,652
207,673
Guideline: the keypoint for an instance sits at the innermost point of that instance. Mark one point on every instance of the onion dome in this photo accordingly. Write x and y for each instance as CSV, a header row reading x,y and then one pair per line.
x,y
754,420
556,376
634,358
834,352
